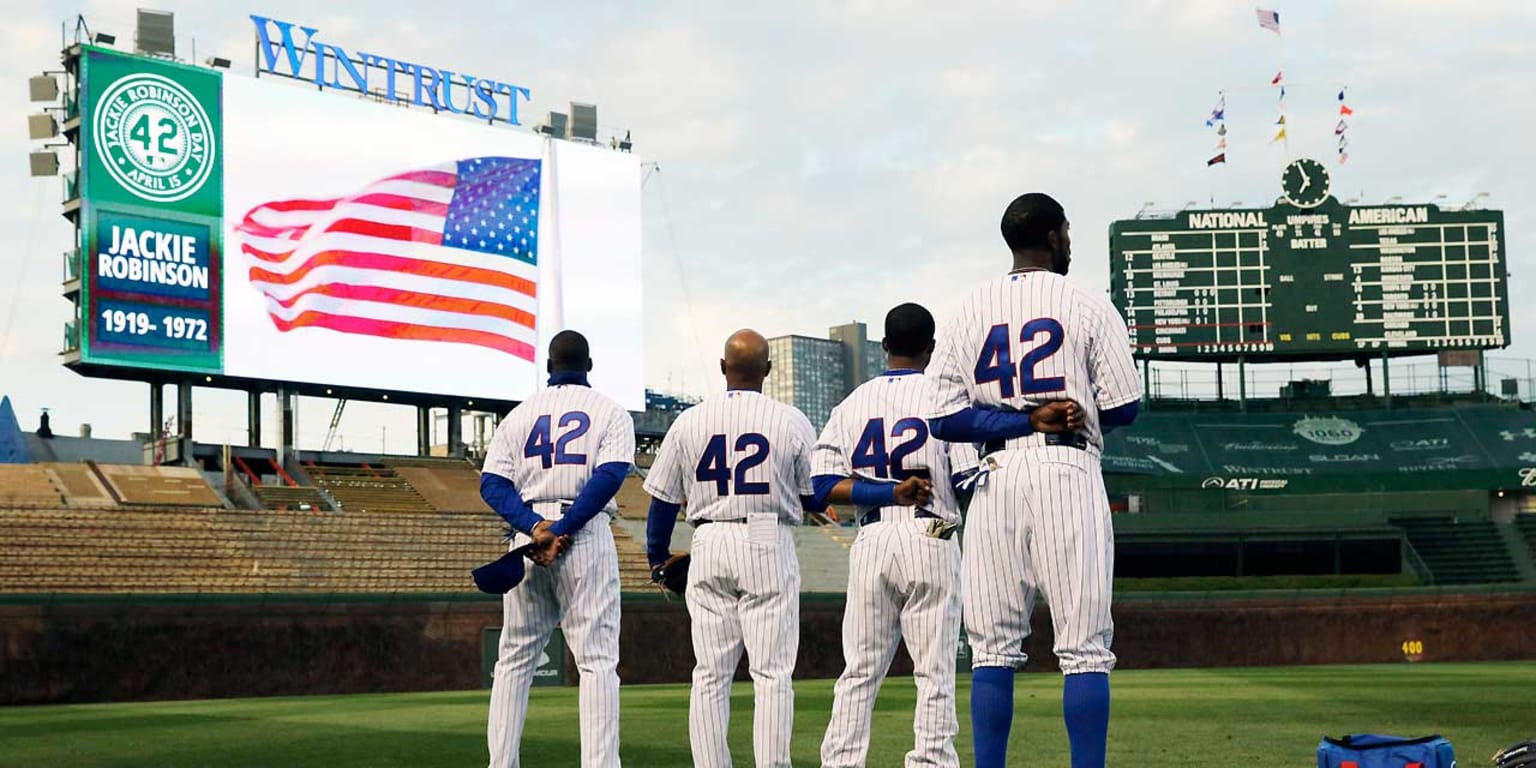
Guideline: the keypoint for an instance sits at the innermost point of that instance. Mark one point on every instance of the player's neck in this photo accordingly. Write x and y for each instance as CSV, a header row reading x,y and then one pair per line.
x,y
1031,261
743,385
898,364
557,378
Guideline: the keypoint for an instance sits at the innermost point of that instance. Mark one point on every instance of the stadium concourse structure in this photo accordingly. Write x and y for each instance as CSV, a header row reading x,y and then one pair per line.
x,y
1427,489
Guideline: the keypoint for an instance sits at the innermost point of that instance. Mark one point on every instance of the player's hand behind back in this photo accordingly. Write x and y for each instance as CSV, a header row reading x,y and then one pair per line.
x,y
913,492
1057,416
547,547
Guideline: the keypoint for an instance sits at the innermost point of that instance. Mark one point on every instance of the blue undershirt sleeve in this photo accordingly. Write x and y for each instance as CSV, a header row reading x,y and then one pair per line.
x,y
980,425
823,485
1122,416
595,495
659,523
502,496
867,493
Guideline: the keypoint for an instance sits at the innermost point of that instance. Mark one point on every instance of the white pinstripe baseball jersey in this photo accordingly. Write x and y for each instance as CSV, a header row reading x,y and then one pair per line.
x,y
880,433
1023,339
550,443
736,454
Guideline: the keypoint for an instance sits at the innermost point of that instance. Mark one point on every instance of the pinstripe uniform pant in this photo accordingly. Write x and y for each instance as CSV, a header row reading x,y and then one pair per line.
x,y
1040,524
742,595
580,594
901,583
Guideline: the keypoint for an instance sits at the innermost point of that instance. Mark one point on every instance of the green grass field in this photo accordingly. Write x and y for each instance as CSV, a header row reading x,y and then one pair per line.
x,y
1174,718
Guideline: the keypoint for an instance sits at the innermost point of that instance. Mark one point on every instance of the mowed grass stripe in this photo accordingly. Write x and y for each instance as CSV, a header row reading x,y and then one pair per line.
x,y
1175,718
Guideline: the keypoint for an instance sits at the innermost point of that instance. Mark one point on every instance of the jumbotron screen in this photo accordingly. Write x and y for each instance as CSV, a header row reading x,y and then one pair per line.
x,y
1331,281
261,230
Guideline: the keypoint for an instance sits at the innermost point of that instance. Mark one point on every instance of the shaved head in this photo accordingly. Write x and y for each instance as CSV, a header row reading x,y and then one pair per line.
x,y
745,361
568,351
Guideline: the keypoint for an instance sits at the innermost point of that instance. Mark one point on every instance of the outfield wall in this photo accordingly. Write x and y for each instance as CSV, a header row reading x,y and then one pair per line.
x,y
137,648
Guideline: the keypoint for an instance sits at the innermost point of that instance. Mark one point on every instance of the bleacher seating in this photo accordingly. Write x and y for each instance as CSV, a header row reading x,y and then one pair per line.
x,y
158,486
1459,551
222,550
294,497
632,499
1526,524
27,484
449,487
369,489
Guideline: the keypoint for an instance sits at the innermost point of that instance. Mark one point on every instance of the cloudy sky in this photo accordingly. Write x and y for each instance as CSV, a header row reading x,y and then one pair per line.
x,y
822,161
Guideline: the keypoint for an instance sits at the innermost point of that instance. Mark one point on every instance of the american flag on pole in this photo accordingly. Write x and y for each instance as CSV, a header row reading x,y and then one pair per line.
x,y
1269,20
445,254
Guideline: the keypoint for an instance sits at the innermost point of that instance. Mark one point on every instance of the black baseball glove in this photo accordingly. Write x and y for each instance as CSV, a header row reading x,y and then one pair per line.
x,y
1522,755
672,574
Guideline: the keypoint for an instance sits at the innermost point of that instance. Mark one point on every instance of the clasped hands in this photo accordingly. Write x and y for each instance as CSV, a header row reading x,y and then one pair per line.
x,y
546,547
1052,417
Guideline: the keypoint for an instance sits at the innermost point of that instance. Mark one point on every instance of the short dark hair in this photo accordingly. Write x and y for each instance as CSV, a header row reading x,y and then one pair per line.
x,y
908,330
568,351
1029,219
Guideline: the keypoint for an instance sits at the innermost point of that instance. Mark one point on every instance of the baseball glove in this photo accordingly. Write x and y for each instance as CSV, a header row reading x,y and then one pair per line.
x,y
1522,755
672,574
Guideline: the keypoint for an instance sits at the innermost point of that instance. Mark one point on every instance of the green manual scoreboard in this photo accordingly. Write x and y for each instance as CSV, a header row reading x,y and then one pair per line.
x,y
151,209
1311,277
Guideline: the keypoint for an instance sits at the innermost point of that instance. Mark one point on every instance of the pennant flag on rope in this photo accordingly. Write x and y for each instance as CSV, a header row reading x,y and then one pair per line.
x,y
1269,20
1278,77
1222,131
1345,110
1278,137
1221,144
1338,130
1221,158
1341,95
1281,121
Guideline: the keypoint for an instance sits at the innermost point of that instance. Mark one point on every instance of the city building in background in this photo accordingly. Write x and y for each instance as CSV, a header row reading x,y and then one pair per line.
x,y
816,374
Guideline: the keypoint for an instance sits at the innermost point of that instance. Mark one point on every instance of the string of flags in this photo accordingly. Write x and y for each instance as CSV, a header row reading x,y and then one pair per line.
x,y
1342,129
1218,120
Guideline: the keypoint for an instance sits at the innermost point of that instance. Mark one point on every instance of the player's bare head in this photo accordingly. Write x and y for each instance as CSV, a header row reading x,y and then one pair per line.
x,y
568,351
909,335
745,362
1036,230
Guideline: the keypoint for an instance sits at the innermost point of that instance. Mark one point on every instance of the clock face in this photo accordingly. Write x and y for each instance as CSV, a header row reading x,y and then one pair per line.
x,y
1305,183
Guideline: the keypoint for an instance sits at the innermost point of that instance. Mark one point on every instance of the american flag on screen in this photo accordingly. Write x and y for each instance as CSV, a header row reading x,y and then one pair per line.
x,y
446,254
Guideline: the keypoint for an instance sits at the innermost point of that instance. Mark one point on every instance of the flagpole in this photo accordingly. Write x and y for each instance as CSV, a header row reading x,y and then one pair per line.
x,y
551,317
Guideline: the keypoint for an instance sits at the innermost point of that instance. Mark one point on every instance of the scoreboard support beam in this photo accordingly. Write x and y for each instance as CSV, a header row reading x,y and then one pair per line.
x,y
1221,386
184,421
423,431
455,431
156,410
1242,384
253,418
1386,378
285,425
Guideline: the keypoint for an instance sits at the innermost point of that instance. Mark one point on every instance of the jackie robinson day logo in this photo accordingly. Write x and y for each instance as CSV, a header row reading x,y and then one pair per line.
x,y
153,137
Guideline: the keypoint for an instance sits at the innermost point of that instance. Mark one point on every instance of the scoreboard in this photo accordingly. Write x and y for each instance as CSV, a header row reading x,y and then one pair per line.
x,y
1328,281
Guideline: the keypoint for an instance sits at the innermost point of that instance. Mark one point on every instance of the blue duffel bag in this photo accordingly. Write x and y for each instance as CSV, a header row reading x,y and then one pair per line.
x,y
1369,750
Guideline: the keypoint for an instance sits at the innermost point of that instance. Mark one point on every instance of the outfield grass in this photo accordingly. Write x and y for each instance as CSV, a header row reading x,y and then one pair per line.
x,y
1172,718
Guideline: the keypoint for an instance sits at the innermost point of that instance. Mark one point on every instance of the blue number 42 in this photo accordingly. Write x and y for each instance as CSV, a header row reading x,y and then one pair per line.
x,y
551,450
714,465
996,361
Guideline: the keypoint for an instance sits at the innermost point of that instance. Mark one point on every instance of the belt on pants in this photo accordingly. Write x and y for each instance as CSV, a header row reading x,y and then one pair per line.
x,y
873,516
707,521
1064,439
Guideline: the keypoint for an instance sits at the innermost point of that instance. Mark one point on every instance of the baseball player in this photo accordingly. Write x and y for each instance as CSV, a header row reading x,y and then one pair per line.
x,y
1020,356
743,463
551,471
904,568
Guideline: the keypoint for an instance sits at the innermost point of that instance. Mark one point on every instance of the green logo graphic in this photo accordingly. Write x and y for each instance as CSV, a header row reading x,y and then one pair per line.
x,y
153,137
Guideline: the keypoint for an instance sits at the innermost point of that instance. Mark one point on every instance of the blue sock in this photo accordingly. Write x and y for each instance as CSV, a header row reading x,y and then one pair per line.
x,y
1085,705
991,714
